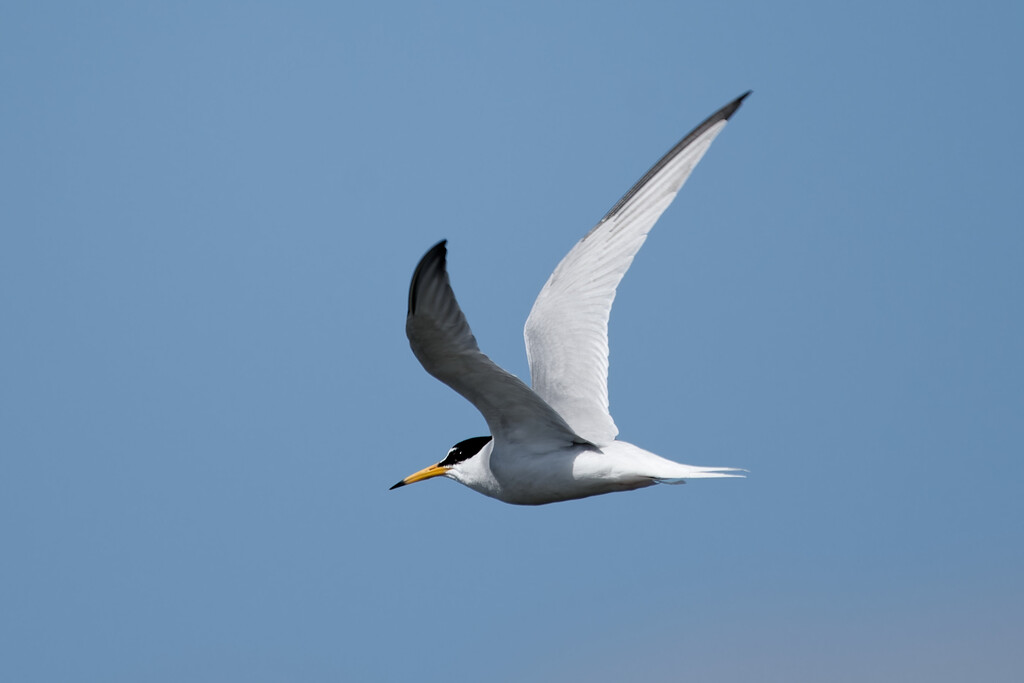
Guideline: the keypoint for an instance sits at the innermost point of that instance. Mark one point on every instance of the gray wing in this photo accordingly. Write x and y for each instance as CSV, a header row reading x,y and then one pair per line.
x,y
567,331
443,343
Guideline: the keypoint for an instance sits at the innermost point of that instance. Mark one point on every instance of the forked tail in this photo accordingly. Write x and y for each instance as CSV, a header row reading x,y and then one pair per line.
x,y
702,473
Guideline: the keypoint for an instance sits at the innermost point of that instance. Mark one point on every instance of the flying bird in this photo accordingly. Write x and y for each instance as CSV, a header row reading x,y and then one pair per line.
x,y
556,441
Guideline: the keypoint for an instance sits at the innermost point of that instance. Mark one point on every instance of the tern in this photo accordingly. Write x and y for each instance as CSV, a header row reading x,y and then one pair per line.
x,y
556,441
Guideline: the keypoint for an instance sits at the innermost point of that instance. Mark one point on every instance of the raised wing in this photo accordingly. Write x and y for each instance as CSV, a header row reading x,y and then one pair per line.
x,y
442,341
567,331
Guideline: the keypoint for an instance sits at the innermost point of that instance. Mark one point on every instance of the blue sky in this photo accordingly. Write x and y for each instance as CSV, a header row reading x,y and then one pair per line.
x,y
211,212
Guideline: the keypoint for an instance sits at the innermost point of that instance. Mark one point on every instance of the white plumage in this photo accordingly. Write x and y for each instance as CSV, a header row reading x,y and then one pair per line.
x,y
555,441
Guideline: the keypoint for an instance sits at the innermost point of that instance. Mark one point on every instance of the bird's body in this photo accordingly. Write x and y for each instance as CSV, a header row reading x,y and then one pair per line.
x,y
532,475
556,441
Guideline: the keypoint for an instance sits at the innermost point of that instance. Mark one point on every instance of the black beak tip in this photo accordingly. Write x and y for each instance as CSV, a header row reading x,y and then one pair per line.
x,y
401,483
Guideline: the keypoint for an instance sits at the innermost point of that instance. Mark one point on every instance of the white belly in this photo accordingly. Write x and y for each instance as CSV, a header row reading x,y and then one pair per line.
x,y
538,478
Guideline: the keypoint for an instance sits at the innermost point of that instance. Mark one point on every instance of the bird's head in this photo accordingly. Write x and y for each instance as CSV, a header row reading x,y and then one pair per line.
x,y
460,463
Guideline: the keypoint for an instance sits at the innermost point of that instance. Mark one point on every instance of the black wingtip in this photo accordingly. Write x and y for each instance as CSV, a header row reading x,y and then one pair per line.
x,y
725,112
730,109
722,114
435,254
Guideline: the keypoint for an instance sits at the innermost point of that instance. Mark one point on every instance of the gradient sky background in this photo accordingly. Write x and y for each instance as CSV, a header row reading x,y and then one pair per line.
x,y
211,212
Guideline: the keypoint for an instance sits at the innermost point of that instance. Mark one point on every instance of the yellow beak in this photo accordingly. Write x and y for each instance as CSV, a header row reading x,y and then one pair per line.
x,y
425,473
